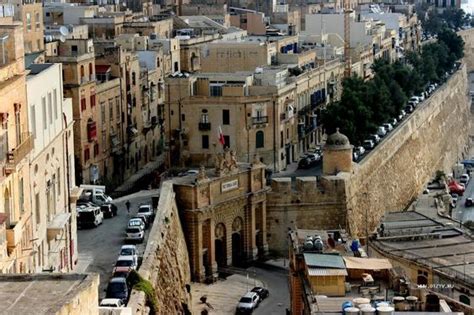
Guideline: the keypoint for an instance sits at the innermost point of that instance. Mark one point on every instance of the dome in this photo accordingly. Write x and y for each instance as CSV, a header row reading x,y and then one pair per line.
x,y
337,139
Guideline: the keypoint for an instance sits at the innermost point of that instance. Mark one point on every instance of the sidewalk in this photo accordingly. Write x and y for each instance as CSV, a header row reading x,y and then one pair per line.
x,y
223,295
131,182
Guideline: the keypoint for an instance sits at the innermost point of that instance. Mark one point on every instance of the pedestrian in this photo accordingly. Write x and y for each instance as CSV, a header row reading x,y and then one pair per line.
x,y
127,204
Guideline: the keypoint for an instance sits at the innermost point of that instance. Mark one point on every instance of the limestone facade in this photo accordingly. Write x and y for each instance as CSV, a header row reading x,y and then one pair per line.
x,y
224,215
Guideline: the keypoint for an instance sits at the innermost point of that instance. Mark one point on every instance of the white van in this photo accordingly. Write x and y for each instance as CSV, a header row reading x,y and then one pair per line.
x,y
95,194
89,216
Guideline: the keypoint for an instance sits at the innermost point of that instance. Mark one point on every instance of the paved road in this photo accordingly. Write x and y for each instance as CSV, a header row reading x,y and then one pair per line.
x,y
99,247
276,280
461,212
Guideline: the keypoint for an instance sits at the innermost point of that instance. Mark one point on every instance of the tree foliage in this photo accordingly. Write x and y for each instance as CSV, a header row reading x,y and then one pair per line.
x,y
365,105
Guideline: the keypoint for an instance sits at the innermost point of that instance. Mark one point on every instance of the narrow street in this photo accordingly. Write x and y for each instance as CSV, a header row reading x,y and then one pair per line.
x,y
99,247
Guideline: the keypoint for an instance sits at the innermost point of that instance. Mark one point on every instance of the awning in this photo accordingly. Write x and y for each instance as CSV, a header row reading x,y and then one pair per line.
x,y
57,225
367,263
323,272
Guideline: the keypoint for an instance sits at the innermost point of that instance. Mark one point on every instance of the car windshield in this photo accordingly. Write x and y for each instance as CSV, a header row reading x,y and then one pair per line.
x,y
245,300
135,222
143,210
127,252
86,215
116,287
133,230
120,274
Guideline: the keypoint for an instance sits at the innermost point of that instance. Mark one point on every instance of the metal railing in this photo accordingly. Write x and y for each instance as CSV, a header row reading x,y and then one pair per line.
x,y
260,120
204,126
15,155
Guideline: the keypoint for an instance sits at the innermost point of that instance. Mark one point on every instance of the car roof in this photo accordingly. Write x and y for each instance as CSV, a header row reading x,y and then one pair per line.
x,y
250,294
110,300
135,219
118,280
128,246
145,206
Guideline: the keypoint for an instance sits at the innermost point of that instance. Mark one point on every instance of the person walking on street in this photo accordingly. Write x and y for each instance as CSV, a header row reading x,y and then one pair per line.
x,y
127,204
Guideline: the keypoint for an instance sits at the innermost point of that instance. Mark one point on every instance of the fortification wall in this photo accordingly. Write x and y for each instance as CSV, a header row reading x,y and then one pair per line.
x,y
433,138
165,261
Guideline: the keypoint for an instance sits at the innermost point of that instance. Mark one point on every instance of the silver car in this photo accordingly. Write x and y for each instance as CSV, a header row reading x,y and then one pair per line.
x,y
248,303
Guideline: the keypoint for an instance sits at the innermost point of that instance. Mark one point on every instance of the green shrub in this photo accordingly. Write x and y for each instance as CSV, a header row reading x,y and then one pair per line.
x,y
138,283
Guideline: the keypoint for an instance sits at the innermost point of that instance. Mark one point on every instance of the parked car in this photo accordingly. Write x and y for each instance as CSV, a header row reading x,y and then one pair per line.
x,y
421,97
117,289
375,138
262,292
409,108
454,198
129,251
393,122
455,188
90,216
121,274
248,303
304,163
355,156
368,144
136,222
464,179
469,202
188,172
360,150
109,210
388,127
111,303
135,234
125,264
414,99
146,211
313,157
381,131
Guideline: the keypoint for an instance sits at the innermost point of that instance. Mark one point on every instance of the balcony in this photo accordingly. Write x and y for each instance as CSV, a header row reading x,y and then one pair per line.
x,y
57,225
204,126
260,120
16,155
14,234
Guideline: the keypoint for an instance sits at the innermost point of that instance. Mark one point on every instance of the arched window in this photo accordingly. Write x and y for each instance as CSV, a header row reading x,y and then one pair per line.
x,y
259,139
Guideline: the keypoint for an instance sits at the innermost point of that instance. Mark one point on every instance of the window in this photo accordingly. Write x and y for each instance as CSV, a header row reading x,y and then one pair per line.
x,y
96,149
28,22
74,51
205,141
134,80
102,114
33,120
37,208
22,195
58,175
215,90
37,21
176,66
204,118
50,108
281,139
92,100
259,139
227,141
83,104
183,117
87,155
43,103
55,103
225,117
117,107
111,109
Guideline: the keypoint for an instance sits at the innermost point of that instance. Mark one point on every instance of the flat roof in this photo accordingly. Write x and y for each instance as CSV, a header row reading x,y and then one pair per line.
x,y
40,293
414,236
36,68
324,260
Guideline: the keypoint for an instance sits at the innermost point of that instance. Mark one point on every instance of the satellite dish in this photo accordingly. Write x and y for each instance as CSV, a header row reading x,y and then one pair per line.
x,y
64,31
62,38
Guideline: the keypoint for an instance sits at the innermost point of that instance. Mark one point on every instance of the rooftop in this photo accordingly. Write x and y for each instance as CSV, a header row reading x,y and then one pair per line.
x,y
37,68
40,293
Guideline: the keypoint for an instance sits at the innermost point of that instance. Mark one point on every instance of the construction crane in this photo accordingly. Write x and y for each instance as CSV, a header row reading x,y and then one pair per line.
x,y
347,39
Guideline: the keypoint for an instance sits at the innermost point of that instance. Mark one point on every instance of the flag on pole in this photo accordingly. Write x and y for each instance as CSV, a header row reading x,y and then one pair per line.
x,y
221,136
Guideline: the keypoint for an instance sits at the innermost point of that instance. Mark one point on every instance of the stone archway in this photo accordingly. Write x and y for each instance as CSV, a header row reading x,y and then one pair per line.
x,y
237,242
464,299
220,245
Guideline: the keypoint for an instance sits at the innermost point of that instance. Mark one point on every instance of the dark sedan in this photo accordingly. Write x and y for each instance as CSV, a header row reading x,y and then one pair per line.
x,y
262,292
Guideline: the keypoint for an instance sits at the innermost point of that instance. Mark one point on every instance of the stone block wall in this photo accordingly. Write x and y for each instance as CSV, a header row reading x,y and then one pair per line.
x,y
165,261
311,204
433,138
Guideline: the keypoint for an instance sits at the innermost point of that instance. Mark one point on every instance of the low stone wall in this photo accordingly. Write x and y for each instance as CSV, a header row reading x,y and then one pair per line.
x,y
165,261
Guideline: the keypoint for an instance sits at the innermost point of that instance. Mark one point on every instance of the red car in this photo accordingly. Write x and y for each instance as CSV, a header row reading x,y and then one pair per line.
x,y
455,187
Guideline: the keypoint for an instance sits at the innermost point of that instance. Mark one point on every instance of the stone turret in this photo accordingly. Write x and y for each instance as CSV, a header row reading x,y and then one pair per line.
x,y
337,153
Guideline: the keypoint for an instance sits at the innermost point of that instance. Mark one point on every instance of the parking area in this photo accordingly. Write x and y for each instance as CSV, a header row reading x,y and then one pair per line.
x,y
99,247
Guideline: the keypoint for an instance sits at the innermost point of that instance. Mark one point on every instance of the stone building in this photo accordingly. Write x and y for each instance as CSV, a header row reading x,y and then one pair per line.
x,y
52,190
224,215
16,143
77,57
